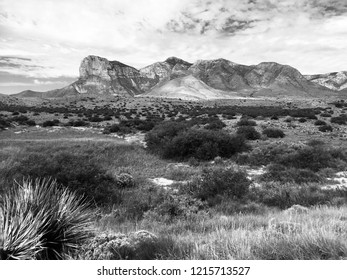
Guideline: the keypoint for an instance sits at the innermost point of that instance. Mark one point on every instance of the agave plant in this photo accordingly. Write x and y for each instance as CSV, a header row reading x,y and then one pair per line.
x,y
40,220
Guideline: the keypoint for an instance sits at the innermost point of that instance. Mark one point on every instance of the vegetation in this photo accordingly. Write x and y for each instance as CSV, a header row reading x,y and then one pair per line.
x,y
42,221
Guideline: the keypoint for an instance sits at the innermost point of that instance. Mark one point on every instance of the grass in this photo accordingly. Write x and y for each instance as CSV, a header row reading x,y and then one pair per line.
x,y
40,220
321,234
233,228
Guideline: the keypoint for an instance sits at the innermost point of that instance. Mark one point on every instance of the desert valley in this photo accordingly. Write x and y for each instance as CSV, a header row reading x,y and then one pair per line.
x,y
177,160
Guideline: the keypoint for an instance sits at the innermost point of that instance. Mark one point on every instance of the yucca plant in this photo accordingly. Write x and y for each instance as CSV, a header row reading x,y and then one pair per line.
x,y
41,220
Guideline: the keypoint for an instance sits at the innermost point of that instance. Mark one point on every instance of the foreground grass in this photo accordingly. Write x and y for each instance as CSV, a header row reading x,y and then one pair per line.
x,y
319,234
208,234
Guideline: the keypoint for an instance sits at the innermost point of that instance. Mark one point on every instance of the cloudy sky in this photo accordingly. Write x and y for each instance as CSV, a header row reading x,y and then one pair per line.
x,y
42,42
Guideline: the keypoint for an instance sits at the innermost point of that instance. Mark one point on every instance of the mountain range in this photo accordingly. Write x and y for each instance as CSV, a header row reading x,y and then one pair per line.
x,y
204,79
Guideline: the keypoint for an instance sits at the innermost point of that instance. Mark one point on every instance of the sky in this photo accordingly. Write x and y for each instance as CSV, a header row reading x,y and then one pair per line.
x,y
42,42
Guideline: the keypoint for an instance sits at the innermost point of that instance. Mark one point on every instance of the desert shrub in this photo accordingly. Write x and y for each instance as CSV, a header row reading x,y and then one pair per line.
x,y
325,115
140,245
125,181
78,173
203,144
215,124
30,122
273,133
285,195
325,128
219,182
248,132
302,120
315,158
175,206
50,123
319,122
157,138
4,123
339,120
280,173
42,221
20,119
246,122
266,154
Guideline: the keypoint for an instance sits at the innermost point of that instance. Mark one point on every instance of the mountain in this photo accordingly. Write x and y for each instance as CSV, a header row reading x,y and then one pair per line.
x,y
188,87
176,78
335,81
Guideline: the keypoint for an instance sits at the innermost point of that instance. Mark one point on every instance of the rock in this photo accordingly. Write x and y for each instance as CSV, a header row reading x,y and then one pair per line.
x,y
335,81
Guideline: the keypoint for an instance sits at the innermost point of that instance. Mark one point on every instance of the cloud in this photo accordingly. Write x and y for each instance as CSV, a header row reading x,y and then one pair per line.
x,y
307,34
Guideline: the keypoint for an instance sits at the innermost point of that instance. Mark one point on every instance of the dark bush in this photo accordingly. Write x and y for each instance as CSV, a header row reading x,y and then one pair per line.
x,y
319,122
248,132
203,144
160,135
338,120
215,125
224,182
77,172
273,133
302,120
50,123
325,128
246,122
281,173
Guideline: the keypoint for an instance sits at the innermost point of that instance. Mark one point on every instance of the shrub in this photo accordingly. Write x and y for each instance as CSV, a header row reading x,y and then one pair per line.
x,y
203,144
219,181
325,128
50,123
302,120
246,122
215,125
248,132
140,245
280,173
157,138
285,195
273,133
77,172
42,221
338,120
319,122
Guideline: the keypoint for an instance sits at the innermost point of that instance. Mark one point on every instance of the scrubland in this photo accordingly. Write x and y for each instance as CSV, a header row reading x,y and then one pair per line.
x,y
243,184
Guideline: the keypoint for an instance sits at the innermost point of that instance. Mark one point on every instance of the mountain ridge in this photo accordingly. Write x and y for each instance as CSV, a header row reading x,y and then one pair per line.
x,y
221,77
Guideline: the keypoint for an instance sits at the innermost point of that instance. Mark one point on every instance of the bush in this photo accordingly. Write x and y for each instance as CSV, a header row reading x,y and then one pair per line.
x,y
219,181
325,128
157,138
246,122
248,132
280,173
339,120
273,133
77,172
319,122
50,123
42,221
285,195
203,144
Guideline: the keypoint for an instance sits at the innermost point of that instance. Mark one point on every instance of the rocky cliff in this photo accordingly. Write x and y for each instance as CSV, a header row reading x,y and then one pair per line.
x,y
335,81
208,77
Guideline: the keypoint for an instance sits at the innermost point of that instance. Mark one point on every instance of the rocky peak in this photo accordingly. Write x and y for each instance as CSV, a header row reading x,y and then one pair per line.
x,y
174,61
335,81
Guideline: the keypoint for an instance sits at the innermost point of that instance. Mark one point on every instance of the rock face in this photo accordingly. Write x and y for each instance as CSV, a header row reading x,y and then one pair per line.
x,y
205,79
335,81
